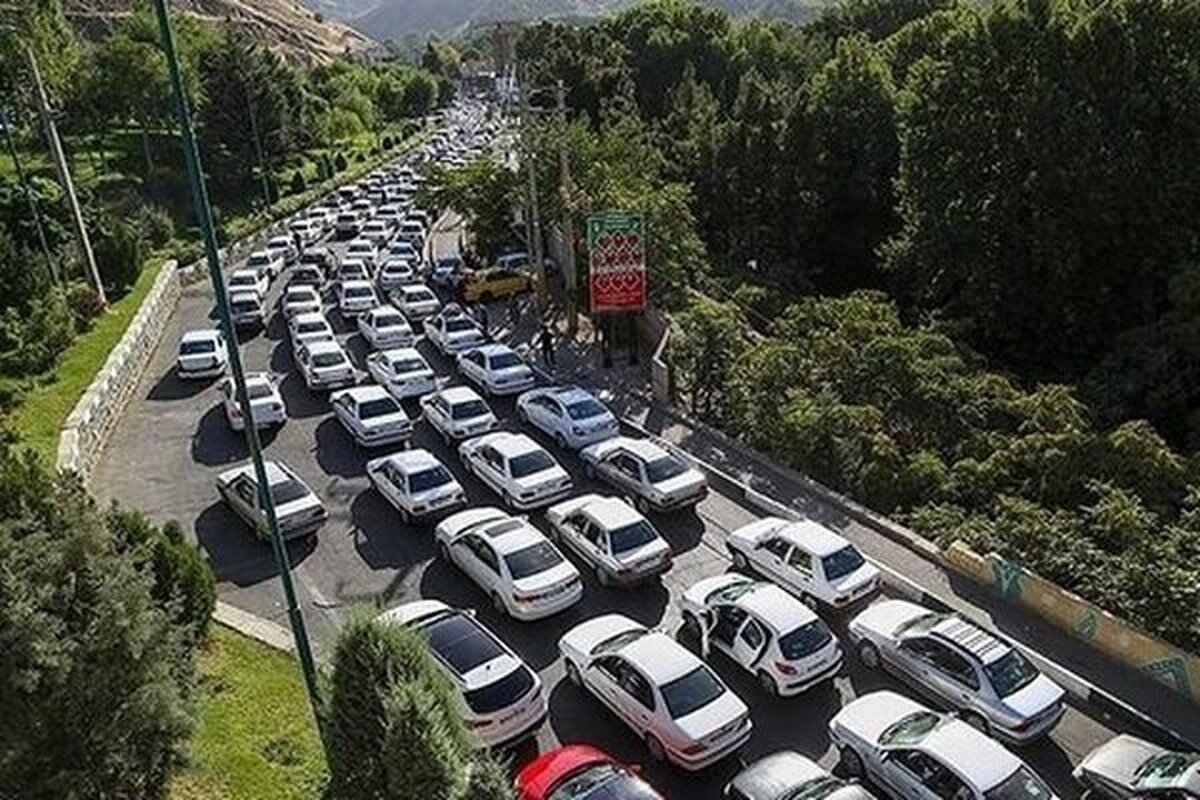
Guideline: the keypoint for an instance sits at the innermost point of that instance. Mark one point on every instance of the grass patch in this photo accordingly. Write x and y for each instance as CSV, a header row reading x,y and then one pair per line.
x,y
45,407
256,737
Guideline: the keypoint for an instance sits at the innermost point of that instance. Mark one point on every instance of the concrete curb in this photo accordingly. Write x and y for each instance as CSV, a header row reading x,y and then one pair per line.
x,y
255,627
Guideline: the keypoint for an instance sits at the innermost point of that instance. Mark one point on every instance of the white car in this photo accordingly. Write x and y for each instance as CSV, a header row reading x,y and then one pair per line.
x,y
500,699
298,511
452,334
417,302
202,354
266,404
323,216
616,542
325,365
517,567
363,250
353,269
396,272
403,250
569,415
348,224
914,753
377,230
962,666
458,413
307,229
246,309
384,328
1128,768
403,372
416,484
356,297
516,468
372,416
671,699
656,480
764,630
301,299
266,263
284,247
248,280
307,275
309,328
787,775
806,558
496,368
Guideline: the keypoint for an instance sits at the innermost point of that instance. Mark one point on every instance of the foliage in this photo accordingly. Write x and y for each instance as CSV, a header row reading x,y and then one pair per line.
x,y
485,193
84,303
31,338
118,250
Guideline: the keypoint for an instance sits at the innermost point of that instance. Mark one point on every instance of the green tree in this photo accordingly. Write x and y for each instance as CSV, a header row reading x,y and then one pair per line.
x,y
709,342
485,193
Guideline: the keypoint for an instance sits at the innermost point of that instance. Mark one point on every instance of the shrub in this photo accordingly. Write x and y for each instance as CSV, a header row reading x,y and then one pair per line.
x,y
156,225
488,780
387,143
32,340
425,753
325,167
298,185
118,253
339,162
84,303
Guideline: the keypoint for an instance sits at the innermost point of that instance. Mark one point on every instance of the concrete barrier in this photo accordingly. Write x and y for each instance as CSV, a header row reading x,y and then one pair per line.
x,y
1111,635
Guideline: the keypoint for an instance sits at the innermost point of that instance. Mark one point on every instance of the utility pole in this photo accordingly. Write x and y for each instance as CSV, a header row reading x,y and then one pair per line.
x,y
212,255
258,148
29,198
568,223
532,217
82,242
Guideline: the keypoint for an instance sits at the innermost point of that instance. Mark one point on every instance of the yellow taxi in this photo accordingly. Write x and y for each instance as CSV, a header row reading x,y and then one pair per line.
x,y
494,283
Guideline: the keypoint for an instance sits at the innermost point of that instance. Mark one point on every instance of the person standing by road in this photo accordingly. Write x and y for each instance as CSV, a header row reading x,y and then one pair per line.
x,y
546,342
481,319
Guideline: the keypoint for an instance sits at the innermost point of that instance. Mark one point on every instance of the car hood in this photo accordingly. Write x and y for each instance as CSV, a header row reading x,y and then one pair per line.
x,y
1119,758
883,618
1039,695
865,574
685,483
585,637
706,720
541,478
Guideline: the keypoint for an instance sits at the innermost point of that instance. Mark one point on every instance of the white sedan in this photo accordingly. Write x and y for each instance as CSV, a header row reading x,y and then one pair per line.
x,y
283,247
458,413
301,299
656,479
267,263
616,542
517,567
417,302
248,280
371,415
917,754
496,368
308,328
298,511
515,467
202,354
452,334
356,297
266,404
762,629
325,365
394,273
671,699
403,371
416,484
569,415
383,328
362,250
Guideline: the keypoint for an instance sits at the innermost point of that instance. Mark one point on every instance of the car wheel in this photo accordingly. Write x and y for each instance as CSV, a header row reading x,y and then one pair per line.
x,y
868,654
851,762
768,683
739,560
602,576
405,517
642,505
809,601
589,470
498,604
655,747
444,551
523,414
976,721
573,673
560,440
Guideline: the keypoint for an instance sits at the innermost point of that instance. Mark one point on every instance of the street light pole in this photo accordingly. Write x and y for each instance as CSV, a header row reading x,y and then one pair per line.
x,y
212,256
535,224
29,198
568,221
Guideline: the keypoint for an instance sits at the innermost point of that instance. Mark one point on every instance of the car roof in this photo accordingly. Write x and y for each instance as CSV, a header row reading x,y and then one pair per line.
x,y
978,758
570,394
416,290
356,284
324,345
495,349
244,294
975,640
363,394
258,377
206,335
777,608
812,536
611,512
244,272
460,394
642,448
413,460
310,316
397,353
515,537
659,657
301,288
513,444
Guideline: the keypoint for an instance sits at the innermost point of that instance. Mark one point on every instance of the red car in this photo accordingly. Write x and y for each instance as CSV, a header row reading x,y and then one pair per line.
x,y
579,771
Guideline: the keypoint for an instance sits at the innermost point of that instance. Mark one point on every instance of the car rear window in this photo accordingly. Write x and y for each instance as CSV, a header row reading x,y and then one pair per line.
x,y
805,640
245,306
691,692
288,491
310,327
530,463
198,346
390,321
586,409
428,479
258,390
461,643
500,694
328,359
531,560
377,408
1011,673
458,324
631,536
504,361
664,468
842,562
468,410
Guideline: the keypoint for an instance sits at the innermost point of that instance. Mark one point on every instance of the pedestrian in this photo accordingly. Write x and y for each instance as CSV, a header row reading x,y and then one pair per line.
x,y
546,340
514,311
481,319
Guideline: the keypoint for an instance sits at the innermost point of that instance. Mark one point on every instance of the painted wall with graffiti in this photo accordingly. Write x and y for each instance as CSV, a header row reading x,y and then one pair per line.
x,y
1169,665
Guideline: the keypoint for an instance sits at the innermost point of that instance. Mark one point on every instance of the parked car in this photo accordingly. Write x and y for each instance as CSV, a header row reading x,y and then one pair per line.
x,y
1128,768
385,328
353,269
284,248
246,309
499,698
266,404
764,630
960,665
325,365
372,417
267,263
496,368
417,302
452,333
457,413
615,541
580,771
300,299
248,280
914,753
671,699
322,258
298,511
378,231
521,571
656,480
363,250
787,775
356,297
808,559
308,328
307,275
516,468
202,354
396,272
307,230
486,285
348,224
416,484
569,415
403,371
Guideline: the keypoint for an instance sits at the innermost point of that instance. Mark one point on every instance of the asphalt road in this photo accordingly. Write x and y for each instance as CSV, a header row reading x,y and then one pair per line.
x,y
173,440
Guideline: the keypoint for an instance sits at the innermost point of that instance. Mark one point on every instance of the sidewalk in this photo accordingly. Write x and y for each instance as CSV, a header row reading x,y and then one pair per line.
x,y
626,390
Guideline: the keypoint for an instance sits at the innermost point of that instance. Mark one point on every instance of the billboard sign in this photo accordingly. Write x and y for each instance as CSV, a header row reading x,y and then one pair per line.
x,y
617,262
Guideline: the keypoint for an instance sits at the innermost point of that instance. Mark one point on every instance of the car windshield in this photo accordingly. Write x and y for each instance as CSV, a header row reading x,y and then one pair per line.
x,y
664,468
1165,769
631,537
532,559
244,306
310,327
602,782
816,788
358,291
504,361
692,692
390,321
300,295
910,729
586,409
406,365
805,640
1021,785
842,562
377,408
193,347
500,694
331,359
244,280
418,297
259,389
458,324
1010,673
428,479
530,463
259,259
468,410
287,491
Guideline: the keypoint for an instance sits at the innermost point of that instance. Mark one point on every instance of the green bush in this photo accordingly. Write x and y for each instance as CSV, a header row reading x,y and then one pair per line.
x,y
297,186
325,167
31,340
118,253
156,225
84,303
339,162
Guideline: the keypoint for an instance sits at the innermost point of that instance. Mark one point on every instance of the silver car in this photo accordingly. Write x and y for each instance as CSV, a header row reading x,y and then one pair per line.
x,y
1126,767
790,776
960,665
655,479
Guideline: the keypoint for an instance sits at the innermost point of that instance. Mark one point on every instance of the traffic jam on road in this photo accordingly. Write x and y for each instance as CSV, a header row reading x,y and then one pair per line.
x,y
540,508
